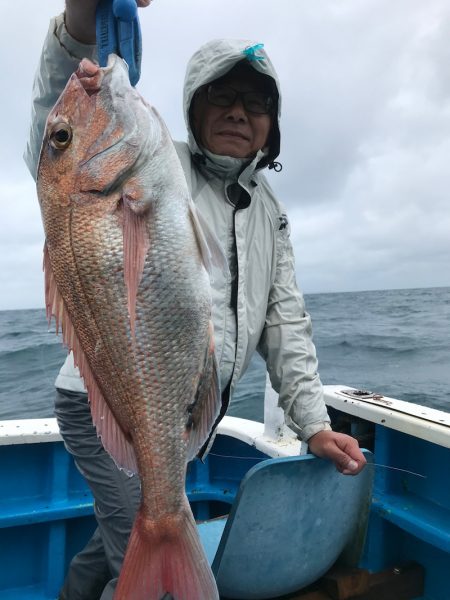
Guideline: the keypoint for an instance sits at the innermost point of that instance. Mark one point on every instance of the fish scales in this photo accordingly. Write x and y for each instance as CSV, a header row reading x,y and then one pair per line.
x,y
125,275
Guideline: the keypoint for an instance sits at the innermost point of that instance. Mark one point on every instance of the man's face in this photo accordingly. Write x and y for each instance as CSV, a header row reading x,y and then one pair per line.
x,y
230,130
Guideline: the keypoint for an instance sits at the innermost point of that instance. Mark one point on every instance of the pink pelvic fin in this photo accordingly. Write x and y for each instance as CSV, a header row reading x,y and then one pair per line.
x,y
135,247
165,557
113,438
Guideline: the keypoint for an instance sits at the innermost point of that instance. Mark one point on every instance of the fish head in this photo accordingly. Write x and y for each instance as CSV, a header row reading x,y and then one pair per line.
x,y
95,135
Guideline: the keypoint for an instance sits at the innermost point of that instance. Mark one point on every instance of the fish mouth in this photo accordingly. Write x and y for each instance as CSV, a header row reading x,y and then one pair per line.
x,y
90,77
117,69
113,60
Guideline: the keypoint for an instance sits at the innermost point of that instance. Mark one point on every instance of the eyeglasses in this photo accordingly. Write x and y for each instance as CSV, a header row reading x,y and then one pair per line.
x,y
260,103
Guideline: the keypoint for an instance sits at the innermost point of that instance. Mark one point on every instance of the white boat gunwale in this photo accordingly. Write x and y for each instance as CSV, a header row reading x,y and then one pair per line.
x,y
416,420
413,419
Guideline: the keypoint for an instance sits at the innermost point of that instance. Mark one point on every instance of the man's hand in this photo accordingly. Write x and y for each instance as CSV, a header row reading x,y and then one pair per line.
x,y
80,18
340,448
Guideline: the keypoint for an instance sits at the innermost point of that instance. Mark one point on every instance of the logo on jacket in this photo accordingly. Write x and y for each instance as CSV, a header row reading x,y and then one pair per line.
x,y
284,223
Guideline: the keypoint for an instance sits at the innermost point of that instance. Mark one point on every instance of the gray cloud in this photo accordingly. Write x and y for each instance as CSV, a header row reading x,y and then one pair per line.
x,y
365,131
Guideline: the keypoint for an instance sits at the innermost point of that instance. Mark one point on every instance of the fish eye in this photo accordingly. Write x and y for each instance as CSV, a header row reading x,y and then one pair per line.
x,y
61,136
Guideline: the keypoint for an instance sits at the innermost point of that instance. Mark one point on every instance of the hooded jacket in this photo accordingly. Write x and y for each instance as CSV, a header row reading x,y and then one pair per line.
x,y
257,305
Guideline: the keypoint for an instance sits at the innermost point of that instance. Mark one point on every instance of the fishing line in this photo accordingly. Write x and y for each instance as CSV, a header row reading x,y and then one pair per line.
x,y
396,469
240,457
367,465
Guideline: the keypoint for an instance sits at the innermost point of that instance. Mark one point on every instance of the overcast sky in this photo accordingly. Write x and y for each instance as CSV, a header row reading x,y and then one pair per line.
x,y
365,130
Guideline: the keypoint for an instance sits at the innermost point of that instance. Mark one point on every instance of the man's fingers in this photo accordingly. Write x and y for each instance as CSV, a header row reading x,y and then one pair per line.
x,y
352,468
341,449
344,463
351,459
352,465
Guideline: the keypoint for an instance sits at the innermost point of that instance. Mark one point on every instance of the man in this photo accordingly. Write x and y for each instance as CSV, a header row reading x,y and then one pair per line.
x,y
232,104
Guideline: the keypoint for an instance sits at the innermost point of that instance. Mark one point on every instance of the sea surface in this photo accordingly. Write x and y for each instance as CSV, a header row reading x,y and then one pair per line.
x,y
394,342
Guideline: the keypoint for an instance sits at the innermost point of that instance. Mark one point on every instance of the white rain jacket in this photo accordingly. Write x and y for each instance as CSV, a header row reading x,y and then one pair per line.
x,y
257,306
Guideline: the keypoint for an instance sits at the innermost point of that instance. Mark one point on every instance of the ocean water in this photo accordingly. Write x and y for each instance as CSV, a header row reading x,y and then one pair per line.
x,y
394,342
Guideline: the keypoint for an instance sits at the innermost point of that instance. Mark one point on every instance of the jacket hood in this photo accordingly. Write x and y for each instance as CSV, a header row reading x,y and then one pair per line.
x,y
213,60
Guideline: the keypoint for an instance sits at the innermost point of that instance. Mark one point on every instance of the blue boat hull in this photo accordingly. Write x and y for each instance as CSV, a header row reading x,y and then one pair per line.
x,y
46,510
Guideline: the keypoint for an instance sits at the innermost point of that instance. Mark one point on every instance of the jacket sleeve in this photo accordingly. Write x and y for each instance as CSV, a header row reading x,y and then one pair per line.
x,y
286,344
60,57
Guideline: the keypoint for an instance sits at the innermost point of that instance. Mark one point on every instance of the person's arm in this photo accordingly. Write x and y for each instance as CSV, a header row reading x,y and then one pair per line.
x,y
287,346
80,20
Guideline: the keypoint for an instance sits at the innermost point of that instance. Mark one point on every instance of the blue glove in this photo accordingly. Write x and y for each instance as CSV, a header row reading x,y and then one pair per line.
x,y
118,32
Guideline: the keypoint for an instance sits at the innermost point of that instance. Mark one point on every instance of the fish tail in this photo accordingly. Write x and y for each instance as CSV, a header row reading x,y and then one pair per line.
x,y
165,557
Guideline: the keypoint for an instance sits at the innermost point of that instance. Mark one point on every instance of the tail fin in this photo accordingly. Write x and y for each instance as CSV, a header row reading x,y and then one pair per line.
x,y
165,557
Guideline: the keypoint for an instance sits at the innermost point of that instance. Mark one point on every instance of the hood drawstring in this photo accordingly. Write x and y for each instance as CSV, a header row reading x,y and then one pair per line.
x,y
276,166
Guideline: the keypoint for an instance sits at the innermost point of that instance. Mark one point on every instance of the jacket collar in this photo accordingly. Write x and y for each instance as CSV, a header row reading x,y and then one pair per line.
x,y
230,169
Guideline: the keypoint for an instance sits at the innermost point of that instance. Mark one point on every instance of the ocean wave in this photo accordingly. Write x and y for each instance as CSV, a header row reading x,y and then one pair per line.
x,y
386,345
29,353
393,342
